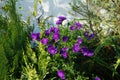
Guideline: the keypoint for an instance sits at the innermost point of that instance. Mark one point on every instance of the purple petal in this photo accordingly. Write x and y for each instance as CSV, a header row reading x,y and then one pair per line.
x,y
84,50
76,48
64,38
56,30
90,53
79,41
65,48
72,27
62,18
44,41
35,36
52,49
91,36
56,36
65,54
79,25
86,33
51,29
47,32
97,78
61,74
58,22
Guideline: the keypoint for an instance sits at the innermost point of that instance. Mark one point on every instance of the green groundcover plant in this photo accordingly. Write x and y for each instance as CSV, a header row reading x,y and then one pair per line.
x,y
75,51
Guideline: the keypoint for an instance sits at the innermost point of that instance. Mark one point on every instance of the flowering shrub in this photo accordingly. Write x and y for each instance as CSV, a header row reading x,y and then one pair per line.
x,y
64,43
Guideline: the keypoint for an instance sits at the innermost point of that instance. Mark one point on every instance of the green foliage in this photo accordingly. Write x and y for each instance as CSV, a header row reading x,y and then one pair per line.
x,y
19,61
43,60
3,64
13,42
29,71
35,7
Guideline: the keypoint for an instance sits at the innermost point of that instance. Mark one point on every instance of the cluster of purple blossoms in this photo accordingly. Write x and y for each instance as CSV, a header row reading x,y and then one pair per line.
x,y
64,52
56,37
86,52
60,20
50,30
55,31
77,26
56,34
36,36
61,74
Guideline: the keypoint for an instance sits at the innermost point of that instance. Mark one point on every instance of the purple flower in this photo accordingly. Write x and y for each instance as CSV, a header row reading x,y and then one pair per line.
x,y
56,36
51,29
64,38
86,33
62,18
58,22
91,36
76,48
52,49
78,28
97,78
56,30
65,49
47,32
65,54
79,25
62,52
86,52
44,41
35,36
61,74
72,27
79,40
90,53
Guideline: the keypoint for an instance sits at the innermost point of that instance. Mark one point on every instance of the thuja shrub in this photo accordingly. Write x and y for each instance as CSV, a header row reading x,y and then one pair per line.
x,y
13,43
